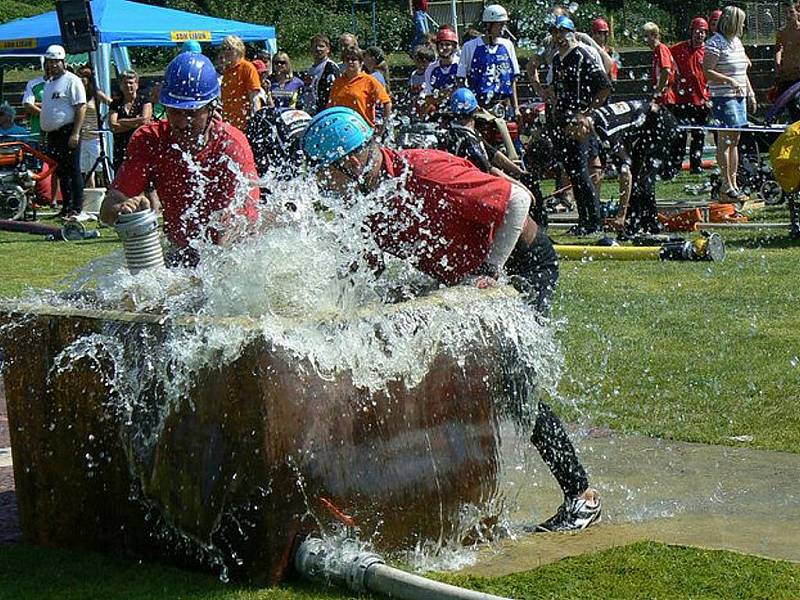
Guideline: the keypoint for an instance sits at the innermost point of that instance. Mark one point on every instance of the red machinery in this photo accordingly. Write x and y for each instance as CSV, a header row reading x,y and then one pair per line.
x,y
20,168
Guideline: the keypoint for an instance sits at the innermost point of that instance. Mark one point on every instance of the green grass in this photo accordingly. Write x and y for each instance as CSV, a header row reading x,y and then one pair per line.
x,y
32,261
689,351
642,570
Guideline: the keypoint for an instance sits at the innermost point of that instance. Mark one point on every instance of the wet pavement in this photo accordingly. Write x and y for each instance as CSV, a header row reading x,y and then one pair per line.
x,y
674,492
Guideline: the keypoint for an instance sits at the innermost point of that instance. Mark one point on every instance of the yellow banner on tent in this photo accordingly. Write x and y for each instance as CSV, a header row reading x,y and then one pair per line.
x,y
20,44
183,36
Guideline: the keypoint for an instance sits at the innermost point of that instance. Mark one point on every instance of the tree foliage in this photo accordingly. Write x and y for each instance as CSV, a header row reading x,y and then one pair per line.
x,y
11,10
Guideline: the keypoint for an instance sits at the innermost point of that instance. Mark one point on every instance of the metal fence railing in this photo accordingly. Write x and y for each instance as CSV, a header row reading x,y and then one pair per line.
x,y
764,19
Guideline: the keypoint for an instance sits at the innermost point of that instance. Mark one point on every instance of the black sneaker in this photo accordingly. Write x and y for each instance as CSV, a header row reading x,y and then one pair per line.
x,y
575,514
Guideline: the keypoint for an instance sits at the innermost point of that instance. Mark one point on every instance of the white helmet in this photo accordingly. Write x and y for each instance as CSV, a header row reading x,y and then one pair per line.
x,y
494,13
55,52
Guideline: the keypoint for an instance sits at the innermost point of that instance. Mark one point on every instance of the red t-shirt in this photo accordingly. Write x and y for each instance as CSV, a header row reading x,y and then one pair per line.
x,y
662,58
445,223
153,158
691,87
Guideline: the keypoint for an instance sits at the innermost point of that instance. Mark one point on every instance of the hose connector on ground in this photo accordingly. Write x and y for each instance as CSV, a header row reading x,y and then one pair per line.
x,y
316,559
363,571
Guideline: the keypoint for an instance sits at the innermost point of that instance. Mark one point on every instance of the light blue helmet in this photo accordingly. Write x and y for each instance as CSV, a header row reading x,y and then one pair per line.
x,y
333,134
564,22
190,82
191,46
463,102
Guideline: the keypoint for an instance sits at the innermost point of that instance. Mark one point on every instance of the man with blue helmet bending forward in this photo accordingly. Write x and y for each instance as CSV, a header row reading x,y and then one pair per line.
x,y
454,222
190,151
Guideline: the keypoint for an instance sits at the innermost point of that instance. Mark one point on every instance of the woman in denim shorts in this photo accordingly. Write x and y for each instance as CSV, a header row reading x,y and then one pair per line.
x,y
725,65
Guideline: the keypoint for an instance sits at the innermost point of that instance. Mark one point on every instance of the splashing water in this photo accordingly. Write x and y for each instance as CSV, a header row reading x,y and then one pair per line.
x,y
303,284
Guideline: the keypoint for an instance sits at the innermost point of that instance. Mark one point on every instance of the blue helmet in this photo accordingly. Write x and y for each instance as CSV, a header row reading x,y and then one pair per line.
x,y
463,102
564,22
191,46
190,81
333,134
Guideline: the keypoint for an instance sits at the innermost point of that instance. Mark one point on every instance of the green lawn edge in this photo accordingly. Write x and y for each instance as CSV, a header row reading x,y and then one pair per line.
x,y
642,570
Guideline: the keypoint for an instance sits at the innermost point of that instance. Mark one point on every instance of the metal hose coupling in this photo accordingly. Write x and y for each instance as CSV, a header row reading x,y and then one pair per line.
x,y
140,240
317,559
363,571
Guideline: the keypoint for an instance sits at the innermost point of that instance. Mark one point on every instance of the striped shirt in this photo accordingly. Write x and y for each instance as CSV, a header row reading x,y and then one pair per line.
x,y
731,61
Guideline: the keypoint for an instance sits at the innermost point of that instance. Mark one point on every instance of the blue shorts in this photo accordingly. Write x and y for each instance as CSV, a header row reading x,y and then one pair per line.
x,y
730,111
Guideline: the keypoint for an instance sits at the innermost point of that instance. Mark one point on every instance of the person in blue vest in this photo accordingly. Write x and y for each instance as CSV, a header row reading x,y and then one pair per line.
x,y
440,76
488,64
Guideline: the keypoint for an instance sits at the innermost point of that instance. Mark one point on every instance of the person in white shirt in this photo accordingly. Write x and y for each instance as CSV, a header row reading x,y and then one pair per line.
x,y
725,65
61,117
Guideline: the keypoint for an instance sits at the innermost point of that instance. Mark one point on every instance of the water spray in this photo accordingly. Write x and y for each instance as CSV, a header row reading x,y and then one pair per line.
x,y
140,240
363,571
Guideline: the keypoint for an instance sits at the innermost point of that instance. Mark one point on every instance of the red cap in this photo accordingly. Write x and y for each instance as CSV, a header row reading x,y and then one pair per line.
x,y
445,34
599,25
715,15
260,66
698,23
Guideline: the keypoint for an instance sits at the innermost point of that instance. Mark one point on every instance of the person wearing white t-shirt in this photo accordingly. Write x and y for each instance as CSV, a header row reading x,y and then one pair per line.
x,y
61,118
488,65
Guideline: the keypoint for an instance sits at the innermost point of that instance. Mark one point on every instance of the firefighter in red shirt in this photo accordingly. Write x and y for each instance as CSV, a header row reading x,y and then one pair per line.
x,y
191,150
691,102
663,76
454,222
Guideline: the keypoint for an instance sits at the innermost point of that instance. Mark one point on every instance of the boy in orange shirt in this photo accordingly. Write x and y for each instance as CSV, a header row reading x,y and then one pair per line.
x,y
358,90
241,84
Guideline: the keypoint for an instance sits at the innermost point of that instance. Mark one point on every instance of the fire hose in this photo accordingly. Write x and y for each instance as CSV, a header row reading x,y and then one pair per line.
x,y
708,247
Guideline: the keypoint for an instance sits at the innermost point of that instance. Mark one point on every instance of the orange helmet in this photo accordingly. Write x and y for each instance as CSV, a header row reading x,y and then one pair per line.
x,y
445,34
599,25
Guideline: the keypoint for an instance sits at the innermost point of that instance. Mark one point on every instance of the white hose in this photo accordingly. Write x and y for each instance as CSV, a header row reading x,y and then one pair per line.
x,y
363,571
395,583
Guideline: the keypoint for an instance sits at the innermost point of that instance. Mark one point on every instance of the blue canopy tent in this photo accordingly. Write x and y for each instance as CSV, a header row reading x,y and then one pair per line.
x,y
120,24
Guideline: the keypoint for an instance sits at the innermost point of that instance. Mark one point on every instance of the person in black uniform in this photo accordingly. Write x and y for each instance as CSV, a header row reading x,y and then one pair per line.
x,y
643,141
462,139
580,84
275,139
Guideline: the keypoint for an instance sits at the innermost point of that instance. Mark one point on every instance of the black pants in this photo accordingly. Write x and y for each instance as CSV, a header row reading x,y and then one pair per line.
x,y
688,114
655,152
574,155
533,271
69,168
554,446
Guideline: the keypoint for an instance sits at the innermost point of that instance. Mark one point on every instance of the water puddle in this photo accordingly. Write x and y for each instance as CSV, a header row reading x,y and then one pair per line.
x,y
700,495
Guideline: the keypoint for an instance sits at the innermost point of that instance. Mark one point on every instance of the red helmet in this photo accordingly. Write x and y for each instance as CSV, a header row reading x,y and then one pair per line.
x,y
599,25
445,34
698,23
715,15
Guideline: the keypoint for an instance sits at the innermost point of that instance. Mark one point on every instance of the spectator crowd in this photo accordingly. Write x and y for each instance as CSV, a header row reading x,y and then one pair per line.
x,y
700,81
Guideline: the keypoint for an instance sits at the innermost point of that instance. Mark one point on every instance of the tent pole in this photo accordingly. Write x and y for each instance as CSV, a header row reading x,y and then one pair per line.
x,y
100,60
